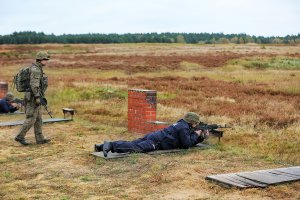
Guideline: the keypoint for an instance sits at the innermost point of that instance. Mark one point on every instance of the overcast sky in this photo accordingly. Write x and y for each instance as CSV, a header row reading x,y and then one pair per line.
x,y
254,17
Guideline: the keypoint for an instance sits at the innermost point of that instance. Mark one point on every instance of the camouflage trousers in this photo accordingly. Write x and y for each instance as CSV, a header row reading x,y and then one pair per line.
x,y
33,118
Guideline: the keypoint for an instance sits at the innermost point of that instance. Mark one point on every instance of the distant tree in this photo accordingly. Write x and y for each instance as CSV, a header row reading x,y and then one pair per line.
x,y
248,39
258,41
277,41
31,37
223,40
212,41
234,40
292,42
241,41
180,39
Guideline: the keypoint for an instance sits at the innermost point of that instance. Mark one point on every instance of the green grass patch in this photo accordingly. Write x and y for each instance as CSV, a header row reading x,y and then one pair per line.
x,y
190,66
68,94
166,96
273,63
7,175
65,198
85,179
11,55
109,92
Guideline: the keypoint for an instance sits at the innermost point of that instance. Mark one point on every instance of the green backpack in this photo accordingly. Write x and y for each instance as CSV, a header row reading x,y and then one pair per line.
x,y
22,80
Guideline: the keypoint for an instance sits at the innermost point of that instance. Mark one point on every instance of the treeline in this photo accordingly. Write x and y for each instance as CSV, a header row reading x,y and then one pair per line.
x,y
31,37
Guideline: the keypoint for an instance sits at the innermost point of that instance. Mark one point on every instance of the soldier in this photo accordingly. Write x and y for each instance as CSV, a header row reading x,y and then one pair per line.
x,y
38,85
179,135
7,104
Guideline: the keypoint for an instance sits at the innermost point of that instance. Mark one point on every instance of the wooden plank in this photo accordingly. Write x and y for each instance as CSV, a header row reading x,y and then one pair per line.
x,y
15,123
235,180
248,181
203,146
51,120
164,151
260,178
266,177
198,146
110,155
284,173
223,179
14,113
290,170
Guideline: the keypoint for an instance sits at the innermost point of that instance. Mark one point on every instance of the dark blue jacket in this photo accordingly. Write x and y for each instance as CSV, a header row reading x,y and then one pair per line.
x,y
5,107
179,135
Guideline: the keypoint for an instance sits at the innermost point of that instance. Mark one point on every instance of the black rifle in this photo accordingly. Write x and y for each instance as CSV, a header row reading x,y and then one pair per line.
x,y
44,103
18,101
211,128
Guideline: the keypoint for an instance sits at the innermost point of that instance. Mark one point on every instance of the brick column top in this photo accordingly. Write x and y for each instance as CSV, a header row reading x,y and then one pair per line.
x,y
141,90
3,89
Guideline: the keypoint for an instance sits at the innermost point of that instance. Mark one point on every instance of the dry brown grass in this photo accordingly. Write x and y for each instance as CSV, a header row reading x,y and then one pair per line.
x,y
262,106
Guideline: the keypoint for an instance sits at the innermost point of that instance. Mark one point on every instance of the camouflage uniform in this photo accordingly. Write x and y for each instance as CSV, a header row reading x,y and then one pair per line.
x,y
38,86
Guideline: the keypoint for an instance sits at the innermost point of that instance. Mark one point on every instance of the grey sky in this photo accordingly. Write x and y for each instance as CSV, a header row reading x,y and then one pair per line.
x,y
254,17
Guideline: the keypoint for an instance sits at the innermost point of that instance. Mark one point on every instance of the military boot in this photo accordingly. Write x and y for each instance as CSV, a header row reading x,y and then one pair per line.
x,y
22,141
107,147
98,147
44,141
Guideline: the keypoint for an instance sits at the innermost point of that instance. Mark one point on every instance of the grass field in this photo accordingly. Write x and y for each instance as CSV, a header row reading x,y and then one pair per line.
x,y
254,89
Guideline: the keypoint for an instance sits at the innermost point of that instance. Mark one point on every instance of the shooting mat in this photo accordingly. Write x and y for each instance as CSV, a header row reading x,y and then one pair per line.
x,y
111,155
51,120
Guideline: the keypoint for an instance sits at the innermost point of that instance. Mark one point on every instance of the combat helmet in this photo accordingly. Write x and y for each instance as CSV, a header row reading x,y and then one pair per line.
x,y
9,96
42,55
191,117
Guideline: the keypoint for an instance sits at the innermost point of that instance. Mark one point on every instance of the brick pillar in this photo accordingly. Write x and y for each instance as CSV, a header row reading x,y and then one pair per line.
x,y
3,89
142,111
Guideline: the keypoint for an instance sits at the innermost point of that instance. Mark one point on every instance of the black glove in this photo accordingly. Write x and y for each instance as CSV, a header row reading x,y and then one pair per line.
x,y
44,102
200,139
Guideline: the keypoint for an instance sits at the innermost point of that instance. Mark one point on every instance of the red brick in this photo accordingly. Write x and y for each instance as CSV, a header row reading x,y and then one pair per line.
x,y
141,109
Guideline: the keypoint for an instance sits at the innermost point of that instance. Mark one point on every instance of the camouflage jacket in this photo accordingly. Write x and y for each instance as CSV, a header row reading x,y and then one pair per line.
x,y
38,80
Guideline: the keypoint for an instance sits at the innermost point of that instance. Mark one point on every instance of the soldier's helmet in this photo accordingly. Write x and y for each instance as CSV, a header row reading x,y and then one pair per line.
x,y
9,96
42,55
191,117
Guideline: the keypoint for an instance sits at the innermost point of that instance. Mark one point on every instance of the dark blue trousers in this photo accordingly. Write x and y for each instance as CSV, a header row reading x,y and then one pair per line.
x,y
140,145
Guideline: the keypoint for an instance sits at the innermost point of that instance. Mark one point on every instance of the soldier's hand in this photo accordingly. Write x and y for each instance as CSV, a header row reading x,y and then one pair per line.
x,y
16,105
44,102
37,101
198,132
206,133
